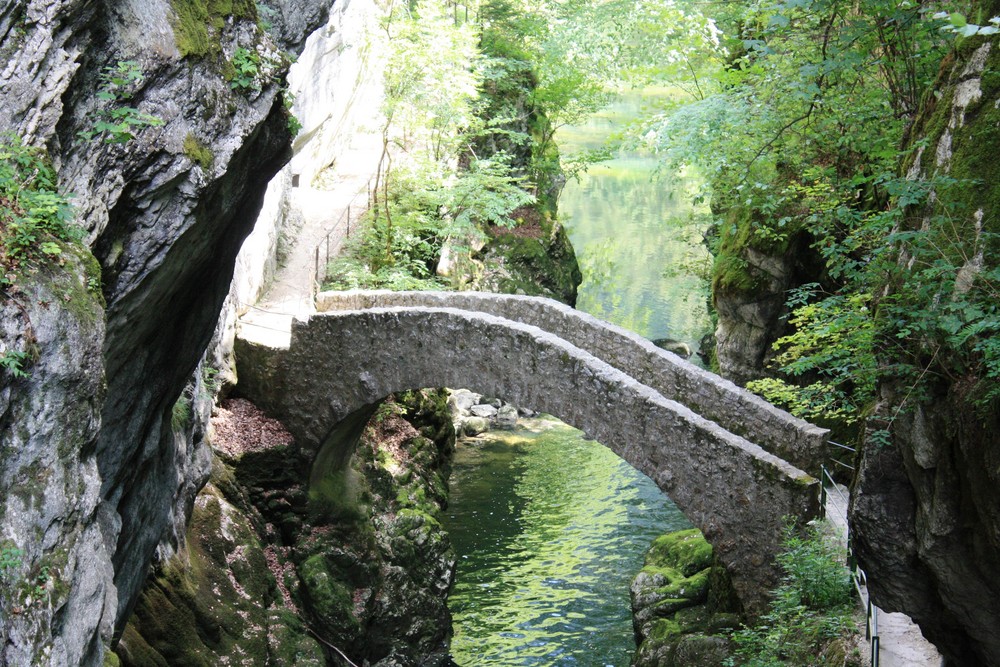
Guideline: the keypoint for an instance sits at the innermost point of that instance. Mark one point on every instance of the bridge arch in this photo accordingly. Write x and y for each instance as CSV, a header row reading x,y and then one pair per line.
x,y
340,364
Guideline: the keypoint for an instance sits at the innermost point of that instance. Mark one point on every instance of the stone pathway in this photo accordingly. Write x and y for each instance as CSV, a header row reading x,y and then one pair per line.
x,y
900,642
325,225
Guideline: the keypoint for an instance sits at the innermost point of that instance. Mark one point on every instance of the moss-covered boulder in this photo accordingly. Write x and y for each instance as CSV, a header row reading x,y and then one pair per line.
x,y
266,579
376,581
216,602
536,258
673,613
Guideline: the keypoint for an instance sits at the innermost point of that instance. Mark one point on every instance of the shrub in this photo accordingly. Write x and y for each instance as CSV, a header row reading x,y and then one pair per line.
x,y
114,120
811,608
34,215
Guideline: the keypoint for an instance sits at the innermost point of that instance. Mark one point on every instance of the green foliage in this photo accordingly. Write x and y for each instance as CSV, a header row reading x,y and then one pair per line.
x,y
114,120
246,70
486,193
956,23
833,344
811,608
210,381
34,216
294,124
15,362
10,560
265,16
797,130
181,413
443,176
912,303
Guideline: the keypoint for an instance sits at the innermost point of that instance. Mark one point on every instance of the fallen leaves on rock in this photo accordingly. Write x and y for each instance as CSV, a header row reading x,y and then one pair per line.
x,y
239,427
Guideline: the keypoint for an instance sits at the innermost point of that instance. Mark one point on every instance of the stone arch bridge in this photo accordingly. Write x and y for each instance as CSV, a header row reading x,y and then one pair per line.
x,y
734,464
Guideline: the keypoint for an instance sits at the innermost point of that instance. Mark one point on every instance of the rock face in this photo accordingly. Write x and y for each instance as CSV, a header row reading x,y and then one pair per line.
x,y
55,565
164,213
925,507
279,569
749,291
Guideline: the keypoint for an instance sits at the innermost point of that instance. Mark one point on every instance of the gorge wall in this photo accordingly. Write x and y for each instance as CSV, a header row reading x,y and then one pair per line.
x,y
925,509
109,479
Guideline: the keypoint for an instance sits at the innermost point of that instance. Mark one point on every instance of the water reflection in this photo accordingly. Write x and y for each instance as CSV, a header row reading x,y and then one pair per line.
x,y
549,529
639,241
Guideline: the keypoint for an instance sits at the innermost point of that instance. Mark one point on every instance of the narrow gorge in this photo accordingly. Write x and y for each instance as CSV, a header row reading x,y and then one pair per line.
x,y
163,162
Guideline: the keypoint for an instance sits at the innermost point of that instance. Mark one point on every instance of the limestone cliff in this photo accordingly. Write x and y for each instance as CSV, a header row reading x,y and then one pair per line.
x,y
925,509
165,203
750,286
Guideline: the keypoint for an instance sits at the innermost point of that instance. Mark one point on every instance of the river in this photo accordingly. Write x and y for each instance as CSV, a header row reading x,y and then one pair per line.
x,y
549,528
639,240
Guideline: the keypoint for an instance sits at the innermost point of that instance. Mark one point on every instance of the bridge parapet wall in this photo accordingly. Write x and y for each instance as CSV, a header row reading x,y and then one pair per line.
x,y
340,363
704,392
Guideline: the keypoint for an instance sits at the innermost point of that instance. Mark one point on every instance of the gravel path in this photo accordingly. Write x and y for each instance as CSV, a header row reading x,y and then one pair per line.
x,y
325,224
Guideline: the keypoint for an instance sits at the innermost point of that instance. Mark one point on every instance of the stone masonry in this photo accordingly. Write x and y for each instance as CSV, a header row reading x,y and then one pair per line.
x,y
341,363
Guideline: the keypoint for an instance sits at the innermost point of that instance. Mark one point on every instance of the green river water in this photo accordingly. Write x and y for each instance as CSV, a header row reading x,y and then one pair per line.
x,y
549,528
638,240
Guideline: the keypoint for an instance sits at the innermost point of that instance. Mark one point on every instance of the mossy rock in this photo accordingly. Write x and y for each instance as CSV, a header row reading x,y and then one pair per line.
x,y
675,616
198,152
134,651
290,644
197,23
686,551
209,605
686,590
697,650
329,599
338,496
542,266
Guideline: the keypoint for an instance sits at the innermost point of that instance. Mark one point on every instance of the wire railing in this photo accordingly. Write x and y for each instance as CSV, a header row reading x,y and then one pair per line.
x,y
858,576
323,247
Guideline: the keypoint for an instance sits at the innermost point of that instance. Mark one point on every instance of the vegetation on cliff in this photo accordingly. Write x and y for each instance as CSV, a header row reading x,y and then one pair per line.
x,y
849,157
802,123
468,173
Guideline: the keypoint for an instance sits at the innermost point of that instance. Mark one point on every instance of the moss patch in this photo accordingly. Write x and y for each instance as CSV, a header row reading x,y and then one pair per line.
x,y
673,601
543,266
687,551
197,23
198,152
210,605
329,599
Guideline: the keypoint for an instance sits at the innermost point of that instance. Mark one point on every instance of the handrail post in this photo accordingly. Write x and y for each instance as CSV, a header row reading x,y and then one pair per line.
x,y
822,491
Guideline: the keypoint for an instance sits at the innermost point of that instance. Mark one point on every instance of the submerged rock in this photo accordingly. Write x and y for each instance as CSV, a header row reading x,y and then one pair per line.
x,y
678,347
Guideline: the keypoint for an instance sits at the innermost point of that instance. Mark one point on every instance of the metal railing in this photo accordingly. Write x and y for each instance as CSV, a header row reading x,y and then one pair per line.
x,y
858,576
323,247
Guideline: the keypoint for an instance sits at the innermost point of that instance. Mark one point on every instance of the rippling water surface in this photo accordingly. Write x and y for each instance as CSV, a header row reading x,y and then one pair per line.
x,y
549,530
